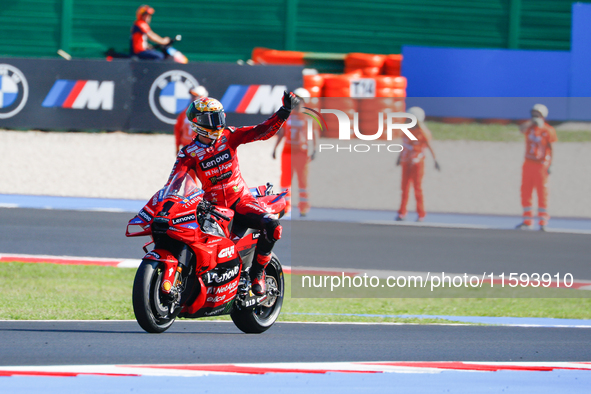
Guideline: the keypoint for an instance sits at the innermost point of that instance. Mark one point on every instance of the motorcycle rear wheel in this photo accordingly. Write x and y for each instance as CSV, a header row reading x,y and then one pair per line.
x,y
262,317
151,311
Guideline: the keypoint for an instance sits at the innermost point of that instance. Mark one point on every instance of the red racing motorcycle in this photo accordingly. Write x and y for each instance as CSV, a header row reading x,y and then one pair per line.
x,y
200,260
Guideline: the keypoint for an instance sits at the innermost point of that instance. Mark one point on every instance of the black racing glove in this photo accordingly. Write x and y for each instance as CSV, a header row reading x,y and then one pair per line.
x,y
290,101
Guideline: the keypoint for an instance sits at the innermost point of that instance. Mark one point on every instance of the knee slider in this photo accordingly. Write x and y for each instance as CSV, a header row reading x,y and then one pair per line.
x,y
273,229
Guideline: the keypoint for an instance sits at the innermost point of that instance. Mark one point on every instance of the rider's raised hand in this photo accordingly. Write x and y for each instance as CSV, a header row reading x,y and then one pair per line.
x,y
290,101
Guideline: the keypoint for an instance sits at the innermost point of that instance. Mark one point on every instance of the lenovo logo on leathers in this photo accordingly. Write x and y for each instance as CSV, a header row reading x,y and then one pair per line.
x,y
216,160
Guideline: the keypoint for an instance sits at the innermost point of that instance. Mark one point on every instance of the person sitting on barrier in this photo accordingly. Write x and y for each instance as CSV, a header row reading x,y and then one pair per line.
x,y
141,32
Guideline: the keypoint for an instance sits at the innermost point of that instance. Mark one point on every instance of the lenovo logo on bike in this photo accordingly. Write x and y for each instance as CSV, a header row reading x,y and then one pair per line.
x,y
391,120
216,160
183,219
226,252
213,277
144,215
81,94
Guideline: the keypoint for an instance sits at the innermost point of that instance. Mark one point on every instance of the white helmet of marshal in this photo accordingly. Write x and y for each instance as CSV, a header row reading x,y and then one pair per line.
x,y
418,112
302,93
542,109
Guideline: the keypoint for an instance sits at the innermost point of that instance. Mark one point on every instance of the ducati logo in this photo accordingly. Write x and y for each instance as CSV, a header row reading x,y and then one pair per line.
x,y
169,94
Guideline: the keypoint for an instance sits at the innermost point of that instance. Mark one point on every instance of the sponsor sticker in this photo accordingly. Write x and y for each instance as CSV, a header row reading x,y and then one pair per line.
x,y
216,160
183,219
215,179
226,252
154,254
221,276
144,215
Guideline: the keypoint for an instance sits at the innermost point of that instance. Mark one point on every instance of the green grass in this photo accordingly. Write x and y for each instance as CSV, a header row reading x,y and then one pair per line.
x,y
494,132
61,292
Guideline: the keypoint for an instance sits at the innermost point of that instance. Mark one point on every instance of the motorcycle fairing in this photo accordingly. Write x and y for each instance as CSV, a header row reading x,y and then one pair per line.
x,y
170,267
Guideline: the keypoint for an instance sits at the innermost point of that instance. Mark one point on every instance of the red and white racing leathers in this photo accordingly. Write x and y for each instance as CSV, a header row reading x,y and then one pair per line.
x,y
217,167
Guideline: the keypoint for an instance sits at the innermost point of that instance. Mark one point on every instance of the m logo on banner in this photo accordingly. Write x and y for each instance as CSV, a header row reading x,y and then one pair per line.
x,y
81,94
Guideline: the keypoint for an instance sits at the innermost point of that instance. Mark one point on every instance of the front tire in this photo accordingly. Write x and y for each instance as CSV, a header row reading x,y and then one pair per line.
x,y
263,316
151,311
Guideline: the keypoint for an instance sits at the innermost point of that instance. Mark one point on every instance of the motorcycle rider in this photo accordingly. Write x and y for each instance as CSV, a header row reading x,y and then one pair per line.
x,y
141,32
212,155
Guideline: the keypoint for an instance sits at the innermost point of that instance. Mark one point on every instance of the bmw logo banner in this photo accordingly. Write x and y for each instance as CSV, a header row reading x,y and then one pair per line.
x,y
250,94
55,94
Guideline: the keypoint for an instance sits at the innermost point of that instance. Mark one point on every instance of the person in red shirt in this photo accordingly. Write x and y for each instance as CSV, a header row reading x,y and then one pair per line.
x,y
212,156
539,137
296,154
412,159
141,32
183,134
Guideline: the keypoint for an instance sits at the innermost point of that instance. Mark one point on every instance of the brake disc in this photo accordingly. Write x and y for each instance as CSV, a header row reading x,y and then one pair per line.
x,y
272,292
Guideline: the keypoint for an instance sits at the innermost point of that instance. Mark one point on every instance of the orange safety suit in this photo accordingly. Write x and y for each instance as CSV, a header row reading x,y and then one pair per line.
x,y
412,160
538,157
295,158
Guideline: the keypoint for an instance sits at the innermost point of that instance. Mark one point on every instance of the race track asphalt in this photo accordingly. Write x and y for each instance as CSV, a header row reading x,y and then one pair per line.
x,y
101,234
319,244
124,342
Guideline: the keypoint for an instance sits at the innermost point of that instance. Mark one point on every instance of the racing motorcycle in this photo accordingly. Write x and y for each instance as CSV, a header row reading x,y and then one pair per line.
x,y
200,261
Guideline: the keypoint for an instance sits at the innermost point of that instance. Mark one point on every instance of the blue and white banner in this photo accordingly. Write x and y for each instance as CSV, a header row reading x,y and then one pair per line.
x,y
55,94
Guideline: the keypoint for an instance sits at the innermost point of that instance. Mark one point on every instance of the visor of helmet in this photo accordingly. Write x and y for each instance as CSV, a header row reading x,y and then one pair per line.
x,y
211,120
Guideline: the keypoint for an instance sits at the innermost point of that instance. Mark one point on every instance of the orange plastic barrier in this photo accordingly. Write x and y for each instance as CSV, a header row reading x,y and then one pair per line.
x,y
314,84
384,81
393,64
361,60
389,92
338,85
370,65
365,71
273,56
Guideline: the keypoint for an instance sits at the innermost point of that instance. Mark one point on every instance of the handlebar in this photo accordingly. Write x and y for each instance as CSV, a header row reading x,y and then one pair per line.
x,y
207,207
219,215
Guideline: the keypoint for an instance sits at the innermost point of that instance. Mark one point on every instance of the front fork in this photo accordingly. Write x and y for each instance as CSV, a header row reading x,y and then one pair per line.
x,y
171,279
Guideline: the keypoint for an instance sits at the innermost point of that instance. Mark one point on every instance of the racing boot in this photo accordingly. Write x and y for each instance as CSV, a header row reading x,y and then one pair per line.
x,y
257,275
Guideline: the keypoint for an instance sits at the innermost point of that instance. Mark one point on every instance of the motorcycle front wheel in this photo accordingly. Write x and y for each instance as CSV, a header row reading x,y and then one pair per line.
x,y
263,316
151,309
